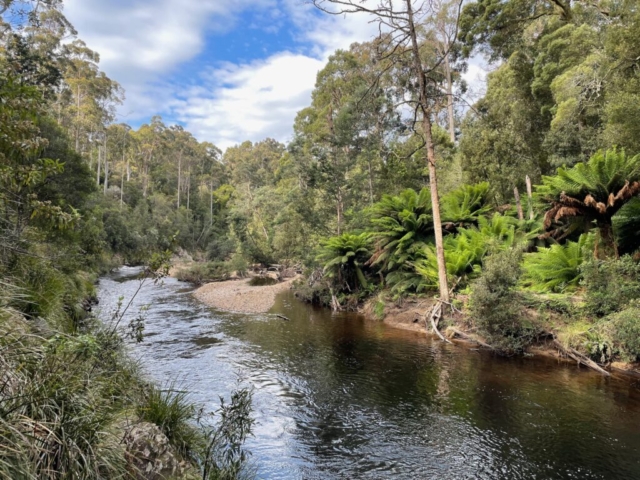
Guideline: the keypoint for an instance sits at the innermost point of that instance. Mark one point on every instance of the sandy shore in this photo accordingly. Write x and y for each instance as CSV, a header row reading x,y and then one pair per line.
x,y
238,296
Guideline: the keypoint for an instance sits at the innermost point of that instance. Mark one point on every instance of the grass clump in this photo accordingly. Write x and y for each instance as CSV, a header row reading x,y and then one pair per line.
x,y
173,413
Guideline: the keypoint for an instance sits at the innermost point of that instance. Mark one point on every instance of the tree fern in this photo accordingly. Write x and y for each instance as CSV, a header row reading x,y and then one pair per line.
x,y
590,194
466,204
402,226
343,258
557,268
626,225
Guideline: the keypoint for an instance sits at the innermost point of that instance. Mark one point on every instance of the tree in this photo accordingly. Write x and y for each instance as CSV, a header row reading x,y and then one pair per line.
x,y
591,193
400,23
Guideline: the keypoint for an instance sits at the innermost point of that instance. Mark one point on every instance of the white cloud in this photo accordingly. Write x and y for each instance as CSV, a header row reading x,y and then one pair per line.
x,y
250,102
260,99
140,41
144,42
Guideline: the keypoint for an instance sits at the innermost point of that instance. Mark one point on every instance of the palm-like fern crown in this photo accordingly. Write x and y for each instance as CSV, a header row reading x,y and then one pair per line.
x,y
605,174
590,191
557,268
344,249
402,224
466,204
343,257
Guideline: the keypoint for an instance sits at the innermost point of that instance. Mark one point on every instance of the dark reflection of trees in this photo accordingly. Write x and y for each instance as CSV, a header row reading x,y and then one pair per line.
x,y
518,416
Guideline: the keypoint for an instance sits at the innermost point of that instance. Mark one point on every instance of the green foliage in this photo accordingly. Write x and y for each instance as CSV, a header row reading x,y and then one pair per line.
x,y
625,331
344,258
606,173
201,273
223,456
463,255
466,204
610,285
402,226
626,225
173,413
557,268
590,194
495,305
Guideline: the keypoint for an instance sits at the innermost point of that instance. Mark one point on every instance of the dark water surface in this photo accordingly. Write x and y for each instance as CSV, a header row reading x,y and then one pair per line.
x,y
336,396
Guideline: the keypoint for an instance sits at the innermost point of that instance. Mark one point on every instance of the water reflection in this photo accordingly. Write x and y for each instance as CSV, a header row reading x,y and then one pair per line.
x,y
339,397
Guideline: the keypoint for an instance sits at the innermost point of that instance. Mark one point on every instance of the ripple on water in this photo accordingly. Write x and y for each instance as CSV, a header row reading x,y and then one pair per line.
x,y
339,397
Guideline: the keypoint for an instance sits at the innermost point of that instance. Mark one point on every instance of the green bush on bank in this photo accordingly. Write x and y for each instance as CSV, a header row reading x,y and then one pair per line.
x,y
495,305
201,273
610,285
625,331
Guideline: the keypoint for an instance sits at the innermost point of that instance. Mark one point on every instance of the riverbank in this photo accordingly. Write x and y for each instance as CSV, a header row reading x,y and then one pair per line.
x,y
410,315
240,296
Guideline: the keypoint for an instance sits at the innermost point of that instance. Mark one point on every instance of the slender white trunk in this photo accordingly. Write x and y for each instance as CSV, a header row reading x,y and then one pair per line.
x,y
452,124
430,154
179,176
106,166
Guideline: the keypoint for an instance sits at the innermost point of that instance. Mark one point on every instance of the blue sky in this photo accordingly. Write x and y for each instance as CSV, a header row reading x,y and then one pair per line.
x,y
227,70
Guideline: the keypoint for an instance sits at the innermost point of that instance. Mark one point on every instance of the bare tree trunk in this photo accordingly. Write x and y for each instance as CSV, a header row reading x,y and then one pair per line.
x,y
370,183
106,165
124,151
98,174
431,156
530,195
516,194
78,122
188,186
452,125
179,176
211,205
339,210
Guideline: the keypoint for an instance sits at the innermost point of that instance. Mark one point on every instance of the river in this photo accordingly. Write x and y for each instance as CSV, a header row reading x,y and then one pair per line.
x,y
340,397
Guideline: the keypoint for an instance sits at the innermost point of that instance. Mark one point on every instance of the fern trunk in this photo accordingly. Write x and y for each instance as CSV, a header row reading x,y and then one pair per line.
x,y
606,246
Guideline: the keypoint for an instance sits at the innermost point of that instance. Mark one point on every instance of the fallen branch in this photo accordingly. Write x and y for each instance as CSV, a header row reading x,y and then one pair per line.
x,y
469,338
578,357
281,316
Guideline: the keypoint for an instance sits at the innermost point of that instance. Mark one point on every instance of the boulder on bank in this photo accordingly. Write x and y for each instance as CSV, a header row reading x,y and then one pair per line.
x,y
151,456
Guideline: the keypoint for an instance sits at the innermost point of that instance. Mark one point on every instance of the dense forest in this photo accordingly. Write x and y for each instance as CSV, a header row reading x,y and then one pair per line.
x,y
520,210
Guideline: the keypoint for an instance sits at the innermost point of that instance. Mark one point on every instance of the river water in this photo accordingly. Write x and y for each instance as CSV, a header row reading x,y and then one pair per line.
x,y
339,397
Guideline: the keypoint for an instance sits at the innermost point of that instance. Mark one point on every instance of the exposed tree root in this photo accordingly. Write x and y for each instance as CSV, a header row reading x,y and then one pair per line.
x,y
434,318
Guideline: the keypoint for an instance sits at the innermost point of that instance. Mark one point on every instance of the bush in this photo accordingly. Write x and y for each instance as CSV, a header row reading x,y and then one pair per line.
x,y
625,332
201,273
610,285
496,306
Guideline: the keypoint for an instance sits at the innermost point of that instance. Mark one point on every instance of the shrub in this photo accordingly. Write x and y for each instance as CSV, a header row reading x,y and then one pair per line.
x,y
495,305
625,331
555,269
610,285
201,273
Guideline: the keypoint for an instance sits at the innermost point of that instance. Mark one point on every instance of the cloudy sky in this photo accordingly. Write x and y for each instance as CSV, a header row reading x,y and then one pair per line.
x,y
227,70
